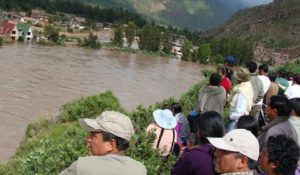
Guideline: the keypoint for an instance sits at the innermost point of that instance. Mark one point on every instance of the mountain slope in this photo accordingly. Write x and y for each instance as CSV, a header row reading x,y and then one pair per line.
x,y
276,25
191,14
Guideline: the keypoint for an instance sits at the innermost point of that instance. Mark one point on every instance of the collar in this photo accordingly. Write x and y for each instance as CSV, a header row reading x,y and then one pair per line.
x,y
239,173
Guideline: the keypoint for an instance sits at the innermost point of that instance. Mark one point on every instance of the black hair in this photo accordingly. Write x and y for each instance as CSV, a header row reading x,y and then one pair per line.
x,y
264,67
209,124
272,77
295,104
282,73
281,104
215,79
249,123
290,75
297,80
251,66
176,108
122,144
166,106
284,152
221,70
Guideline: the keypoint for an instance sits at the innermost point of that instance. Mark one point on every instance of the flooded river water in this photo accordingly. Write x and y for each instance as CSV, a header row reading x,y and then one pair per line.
x,y
36,80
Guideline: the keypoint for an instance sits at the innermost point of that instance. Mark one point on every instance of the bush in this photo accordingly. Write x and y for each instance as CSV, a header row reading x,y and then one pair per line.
x,y
89,107
1,41
91,41
289,66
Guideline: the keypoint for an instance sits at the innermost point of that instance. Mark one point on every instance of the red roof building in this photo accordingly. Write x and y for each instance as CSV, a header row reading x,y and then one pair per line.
x,y
9,30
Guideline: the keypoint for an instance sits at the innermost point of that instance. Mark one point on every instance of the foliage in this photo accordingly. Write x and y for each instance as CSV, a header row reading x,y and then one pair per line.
x,y
78,8
118,37
51,33
289,66
1,41
167,42
130,32
204,53
49,152
150,37
89,107
186,50
91,41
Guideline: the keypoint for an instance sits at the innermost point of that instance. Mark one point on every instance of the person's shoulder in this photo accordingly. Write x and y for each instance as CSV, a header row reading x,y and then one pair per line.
x,y
137,165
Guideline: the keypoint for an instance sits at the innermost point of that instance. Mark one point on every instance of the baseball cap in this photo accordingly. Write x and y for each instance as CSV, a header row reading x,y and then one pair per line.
x,y
238,140
112,122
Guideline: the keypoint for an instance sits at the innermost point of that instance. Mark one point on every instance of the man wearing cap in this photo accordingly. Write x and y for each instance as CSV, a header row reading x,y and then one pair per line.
x,y
242,97
109,137
234,152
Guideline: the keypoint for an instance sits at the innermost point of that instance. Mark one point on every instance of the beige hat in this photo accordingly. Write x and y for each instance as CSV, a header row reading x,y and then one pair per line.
x,y
242,75
112,122
238,140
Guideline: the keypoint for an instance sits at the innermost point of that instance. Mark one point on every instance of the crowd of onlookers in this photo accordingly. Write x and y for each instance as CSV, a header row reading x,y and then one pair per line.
x,y
259,135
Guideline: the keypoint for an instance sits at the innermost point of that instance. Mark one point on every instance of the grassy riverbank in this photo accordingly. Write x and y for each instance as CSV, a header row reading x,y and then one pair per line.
x,y
52,145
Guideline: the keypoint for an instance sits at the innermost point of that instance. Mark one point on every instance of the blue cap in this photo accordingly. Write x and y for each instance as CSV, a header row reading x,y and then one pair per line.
x,y
229,59
194,113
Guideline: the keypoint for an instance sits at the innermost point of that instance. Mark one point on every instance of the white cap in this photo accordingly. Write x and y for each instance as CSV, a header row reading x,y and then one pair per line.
x,y
238,140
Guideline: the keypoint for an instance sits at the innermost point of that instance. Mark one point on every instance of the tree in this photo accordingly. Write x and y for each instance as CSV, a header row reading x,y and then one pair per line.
x,y
167,42
51,33
186,50
204,53
118,37
130,32
150,37
91,41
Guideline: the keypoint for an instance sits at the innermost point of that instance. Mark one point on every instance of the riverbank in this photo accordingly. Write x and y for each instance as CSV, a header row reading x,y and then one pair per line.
x,y
36,80
50,146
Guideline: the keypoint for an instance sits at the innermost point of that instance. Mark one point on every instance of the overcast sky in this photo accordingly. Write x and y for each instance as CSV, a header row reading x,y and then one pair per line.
x,y
257,2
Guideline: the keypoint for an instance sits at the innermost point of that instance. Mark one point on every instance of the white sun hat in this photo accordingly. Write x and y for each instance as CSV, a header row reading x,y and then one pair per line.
x,y
164,118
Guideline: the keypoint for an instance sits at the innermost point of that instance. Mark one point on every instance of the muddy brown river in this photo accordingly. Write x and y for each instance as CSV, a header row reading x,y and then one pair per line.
x,y
36,80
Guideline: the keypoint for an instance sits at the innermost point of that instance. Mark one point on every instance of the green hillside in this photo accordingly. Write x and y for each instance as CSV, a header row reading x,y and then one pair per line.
x,y
276,25
191,14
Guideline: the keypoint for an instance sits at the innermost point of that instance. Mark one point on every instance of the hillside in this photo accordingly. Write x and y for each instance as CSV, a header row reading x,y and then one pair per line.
x,y
191,14
275,26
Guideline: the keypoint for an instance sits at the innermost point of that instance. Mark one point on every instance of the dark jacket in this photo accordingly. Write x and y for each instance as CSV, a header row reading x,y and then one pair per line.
x,y
278,126
195,161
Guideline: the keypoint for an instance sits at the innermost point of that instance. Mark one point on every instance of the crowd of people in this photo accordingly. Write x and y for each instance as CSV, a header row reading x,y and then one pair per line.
x,y
260,135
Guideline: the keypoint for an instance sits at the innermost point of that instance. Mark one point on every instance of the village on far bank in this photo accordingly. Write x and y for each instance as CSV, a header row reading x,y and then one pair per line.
x,y
20,26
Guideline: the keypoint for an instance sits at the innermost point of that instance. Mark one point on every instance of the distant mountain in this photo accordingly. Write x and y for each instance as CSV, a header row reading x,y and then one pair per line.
x,y
275,25
191,14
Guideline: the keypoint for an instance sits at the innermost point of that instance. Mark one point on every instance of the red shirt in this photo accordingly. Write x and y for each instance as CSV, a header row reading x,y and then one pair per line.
x,y
226,83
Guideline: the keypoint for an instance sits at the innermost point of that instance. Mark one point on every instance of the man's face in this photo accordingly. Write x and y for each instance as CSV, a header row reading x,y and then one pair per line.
x,y
96,145
263,161
271,113
226,161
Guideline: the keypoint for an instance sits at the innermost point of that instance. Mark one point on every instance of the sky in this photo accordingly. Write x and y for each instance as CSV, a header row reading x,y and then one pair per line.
x,y
256,2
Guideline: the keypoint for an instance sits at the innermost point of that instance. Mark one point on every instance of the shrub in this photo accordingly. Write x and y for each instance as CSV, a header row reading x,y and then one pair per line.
x,y
1,41
89,107
289,66
91,41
